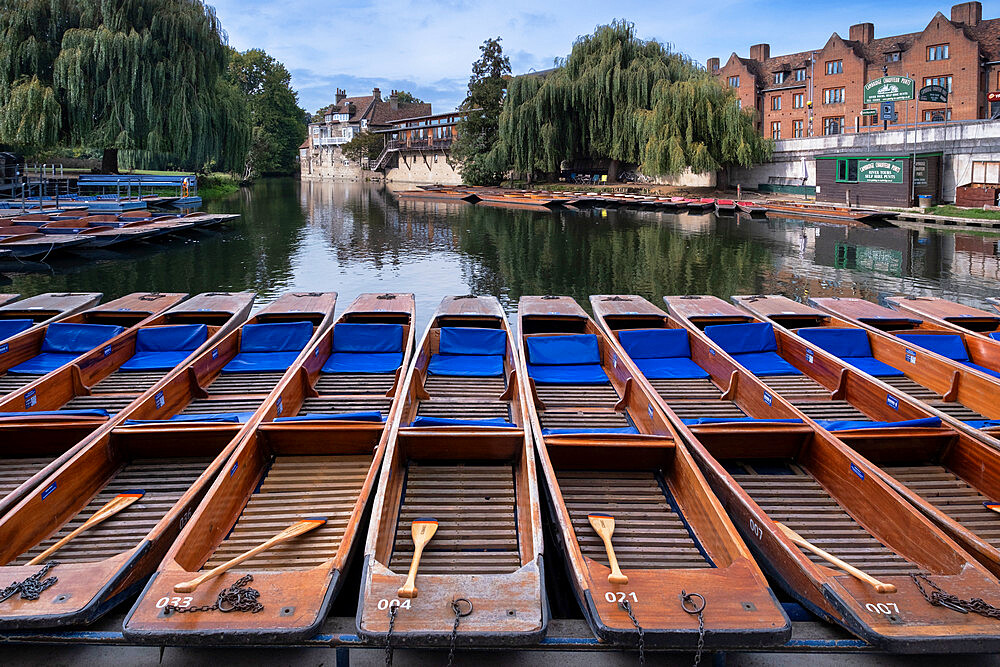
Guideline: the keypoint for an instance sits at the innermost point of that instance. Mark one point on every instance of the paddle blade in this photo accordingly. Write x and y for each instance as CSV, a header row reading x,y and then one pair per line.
x,y
603,524
422,530
993,506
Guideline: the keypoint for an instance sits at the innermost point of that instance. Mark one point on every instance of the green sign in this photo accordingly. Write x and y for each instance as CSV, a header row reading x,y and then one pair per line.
x,y
920,172
933,94
888,89
880,171
869,112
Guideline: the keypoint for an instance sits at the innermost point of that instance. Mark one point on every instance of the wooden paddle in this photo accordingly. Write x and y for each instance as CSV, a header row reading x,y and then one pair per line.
x,y
422,530
296,529
111,508
879,586
604,525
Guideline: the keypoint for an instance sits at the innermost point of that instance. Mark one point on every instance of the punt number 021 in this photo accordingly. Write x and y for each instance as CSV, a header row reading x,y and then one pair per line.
x,y
620,596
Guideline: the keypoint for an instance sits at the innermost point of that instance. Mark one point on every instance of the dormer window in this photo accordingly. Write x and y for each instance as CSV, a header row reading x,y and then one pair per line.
x,y
779,77
800,74
892,57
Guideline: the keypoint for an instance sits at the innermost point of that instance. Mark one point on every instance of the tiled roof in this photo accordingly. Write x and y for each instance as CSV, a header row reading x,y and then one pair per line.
x,y
987,33
305,144
384,114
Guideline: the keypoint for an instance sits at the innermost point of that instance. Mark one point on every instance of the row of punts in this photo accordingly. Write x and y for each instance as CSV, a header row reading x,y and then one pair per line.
x,y
223,467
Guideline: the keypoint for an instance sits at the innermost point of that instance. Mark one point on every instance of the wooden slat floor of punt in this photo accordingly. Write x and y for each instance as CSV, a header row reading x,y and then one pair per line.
x,y
204,406
244,383
354,383
698,409
164,481
798,501
795,387
15,471
686,389
649,533
841,410
127,382
952,495
14,381
340,404
567,419
297,487
922,393
113,404
464,398
577,395
475,509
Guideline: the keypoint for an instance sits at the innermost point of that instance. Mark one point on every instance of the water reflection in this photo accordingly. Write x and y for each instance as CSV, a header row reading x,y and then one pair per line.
x,y
355,237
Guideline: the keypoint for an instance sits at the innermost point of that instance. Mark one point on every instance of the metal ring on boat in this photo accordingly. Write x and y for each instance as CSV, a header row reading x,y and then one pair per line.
x,y
689,598
457,608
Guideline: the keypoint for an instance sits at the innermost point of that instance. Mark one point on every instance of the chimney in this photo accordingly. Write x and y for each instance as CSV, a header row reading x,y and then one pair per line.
x,y
969,13
760,52
712,65
377,94
394,101
341,95
862,32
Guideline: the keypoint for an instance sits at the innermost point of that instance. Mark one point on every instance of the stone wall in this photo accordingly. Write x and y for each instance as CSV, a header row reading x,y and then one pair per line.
x,y
425,167
327,163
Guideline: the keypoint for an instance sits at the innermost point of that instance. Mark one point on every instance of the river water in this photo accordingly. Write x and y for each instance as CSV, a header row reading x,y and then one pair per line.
x,y
358,237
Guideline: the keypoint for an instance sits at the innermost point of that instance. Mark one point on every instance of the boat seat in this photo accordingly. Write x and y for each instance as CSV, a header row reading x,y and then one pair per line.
x,y
269,347
570,431
983,423
701,421
469,352
365,348
851,346
65,342
83,413
950,346
995,335
573,359
234,417
661,353
162,348
422,421
370,416
849,425
753,346
354,383
10,328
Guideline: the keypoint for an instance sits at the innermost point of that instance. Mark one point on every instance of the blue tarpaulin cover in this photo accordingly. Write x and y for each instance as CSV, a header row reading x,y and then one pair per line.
x,y
570,431
670,368
10,328
65,342
469,352
573,359
444,421
753,346
850,345
467,365
846,425
352,362
950,346
995,335
162,348
983,423
372,416
94,412
234,417
661,353
365,348
269,347
724,420
574,374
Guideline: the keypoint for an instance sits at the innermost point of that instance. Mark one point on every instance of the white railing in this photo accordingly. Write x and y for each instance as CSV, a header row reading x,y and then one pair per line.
x,y
330,141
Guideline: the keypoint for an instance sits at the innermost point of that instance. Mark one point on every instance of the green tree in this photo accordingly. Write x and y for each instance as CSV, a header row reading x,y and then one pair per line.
x,y
621,98
138,75
405,97
365,145
277,122
478,131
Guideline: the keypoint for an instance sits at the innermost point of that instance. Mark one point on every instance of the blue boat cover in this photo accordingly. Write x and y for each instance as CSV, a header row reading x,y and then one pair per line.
x,y
10,328
468,365
365,348
443,421
982,369
655,343
570,431
371,416
852,346
95,412
950,346
573,374
983,423
723,420
162,348
573,359
65,342
753,346
234,417
846,425
269,347
995,335
469,340
670,368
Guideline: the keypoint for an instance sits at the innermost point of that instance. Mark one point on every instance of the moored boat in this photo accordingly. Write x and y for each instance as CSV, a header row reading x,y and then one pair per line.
x,y
725,206
703,204
751,207
830,213
18,317
440,193
22,244
949,314
316,453
651,554
454,549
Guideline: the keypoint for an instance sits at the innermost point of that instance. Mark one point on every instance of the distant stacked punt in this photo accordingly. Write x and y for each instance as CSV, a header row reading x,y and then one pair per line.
x,y
181,454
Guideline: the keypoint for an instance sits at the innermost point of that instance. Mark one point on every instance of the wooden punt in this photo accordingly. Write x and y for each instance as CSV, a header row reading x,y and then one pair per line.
x,y
173,462
951,315
672,536
7,298
751,207
995,302
829,213
702,205
957,393
24,244
305,462
518,201
459,453
444,194
725,207
43,309
855,506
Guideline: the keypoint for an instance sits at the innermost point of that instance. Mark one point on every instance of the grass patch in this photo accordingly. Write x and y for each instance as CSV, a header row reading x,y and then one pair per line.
x,y
956,212
217,185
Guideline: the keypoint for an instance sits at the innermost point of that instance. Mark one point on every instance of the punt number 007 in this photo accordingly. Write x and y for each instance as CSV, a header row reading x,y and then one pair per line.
x,y
882,608
613,597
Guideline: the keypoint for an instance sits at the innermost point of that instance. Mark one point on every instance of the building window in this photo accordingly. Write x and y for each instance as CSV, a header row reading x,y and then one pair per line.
x,y
776,103
776,130
937,115
847,170
800,74
892,57
939,81
833,125
734,82
938,52
986,173
779,77
833,96
834,66
798,100
796,128
739,103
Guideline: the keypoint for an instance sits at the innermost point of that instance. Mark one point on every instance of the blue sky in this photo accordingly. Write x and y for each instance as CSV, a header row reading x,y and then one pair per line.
x,y
428,47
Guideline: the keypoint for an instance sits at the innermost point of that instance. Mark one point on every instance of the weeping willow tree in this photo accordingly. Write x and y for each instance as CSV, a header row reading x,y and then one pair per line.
x,y
144,75
621,98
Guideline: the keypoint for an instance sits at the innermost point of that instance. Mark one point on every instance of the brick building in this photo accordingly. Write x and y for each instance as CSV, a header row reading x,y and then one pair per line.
x,y
820,92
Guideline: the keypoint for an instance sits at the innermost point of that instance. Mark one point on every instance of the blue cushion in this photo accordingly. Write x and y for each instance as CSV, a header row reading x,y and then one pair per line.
x,y
234,417
743,338
280,337
765,363
372,416
77,338
374,362
995,335
563,350
43,363
982,369
557,431
442,421
467,340
349,337
845,425
670,368
655,343
468,365
840,342
983,423
10,328
154,361
171,338
260,362
873,366
950,346
575,374
724,420
95,412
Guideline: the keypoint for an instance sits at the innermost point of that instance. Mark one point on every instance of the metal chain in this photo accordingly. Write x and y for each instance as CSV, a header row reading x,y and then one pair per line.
x,y
939,598
626,606
393,610
33,586
235,598
695,608
457,608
